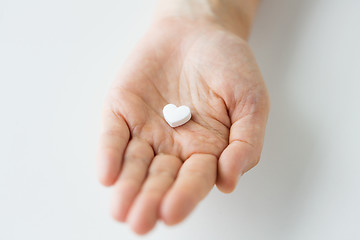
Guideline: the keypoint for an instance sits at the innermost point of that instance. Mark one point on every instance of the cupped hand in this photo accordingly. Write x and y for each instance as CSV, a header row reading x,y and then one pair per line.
x,y
160,172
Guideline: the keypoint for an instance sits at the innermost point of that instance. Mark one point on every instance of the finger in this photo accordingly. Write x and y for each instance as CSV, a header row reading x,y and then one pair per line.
x,y
145,211
244,149
196,178
137,158
113,140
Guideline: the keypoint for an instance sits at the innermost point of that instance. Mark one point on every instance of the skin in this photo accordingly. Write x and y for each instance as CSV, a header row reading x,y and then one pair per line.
x,y
162,173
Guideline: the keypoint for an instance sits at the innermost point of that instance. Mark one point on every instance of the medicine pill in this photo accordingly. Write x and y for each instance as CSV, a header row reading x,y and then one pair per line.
x,y
176,116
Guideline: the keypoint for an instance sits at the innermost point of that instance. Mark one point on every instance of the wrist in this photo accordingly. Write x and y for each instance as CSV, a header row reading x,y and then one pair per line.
x,y
233,15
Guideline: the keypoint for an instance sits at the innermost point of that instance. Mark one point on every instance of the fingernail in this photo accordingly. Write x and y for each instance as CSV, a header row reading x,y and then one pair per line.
x,y
243,168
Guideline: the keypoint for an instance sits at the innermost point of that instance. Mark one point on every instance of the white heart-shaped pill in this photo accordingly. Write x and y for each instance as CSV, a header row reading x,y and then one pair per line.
x,y
176,116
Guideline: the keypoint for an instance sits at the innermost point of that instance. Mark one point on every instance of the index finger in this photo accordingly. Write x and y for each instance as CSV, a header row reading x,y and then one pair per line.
x,y
113,141
196,178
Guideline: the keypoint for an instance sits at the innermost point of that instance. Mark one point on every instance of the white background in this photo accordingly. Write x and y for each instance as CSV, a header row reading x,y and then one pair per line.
x,y
57,60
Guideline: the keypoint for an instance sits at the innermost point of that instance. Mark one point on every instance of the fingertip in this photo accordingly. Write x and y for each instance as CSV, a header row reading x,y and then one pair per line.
x,y
120,202
114,138
142,219
166,214
195,179
139,229
117,214
233,162
108,166
106,181
176,208
227,185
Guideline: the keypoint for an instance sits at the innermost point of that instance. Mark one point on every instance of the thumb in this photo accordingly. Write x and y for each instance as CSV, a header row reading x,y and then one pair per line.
x,y
246,139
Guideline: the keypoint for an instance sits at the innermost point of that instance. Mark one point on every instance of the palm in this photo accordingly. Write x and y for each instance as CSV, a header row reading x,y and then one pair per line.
x,y
214,74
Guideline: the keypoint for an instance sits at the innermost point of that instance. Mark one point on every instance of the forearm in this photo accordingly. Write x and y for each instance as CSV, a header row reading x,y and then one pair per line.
x,y
234,15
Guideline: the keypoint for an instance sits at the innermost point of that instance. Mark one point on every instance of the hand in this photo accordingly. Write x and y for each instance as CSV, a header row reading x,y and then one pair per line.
x,y
161,172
